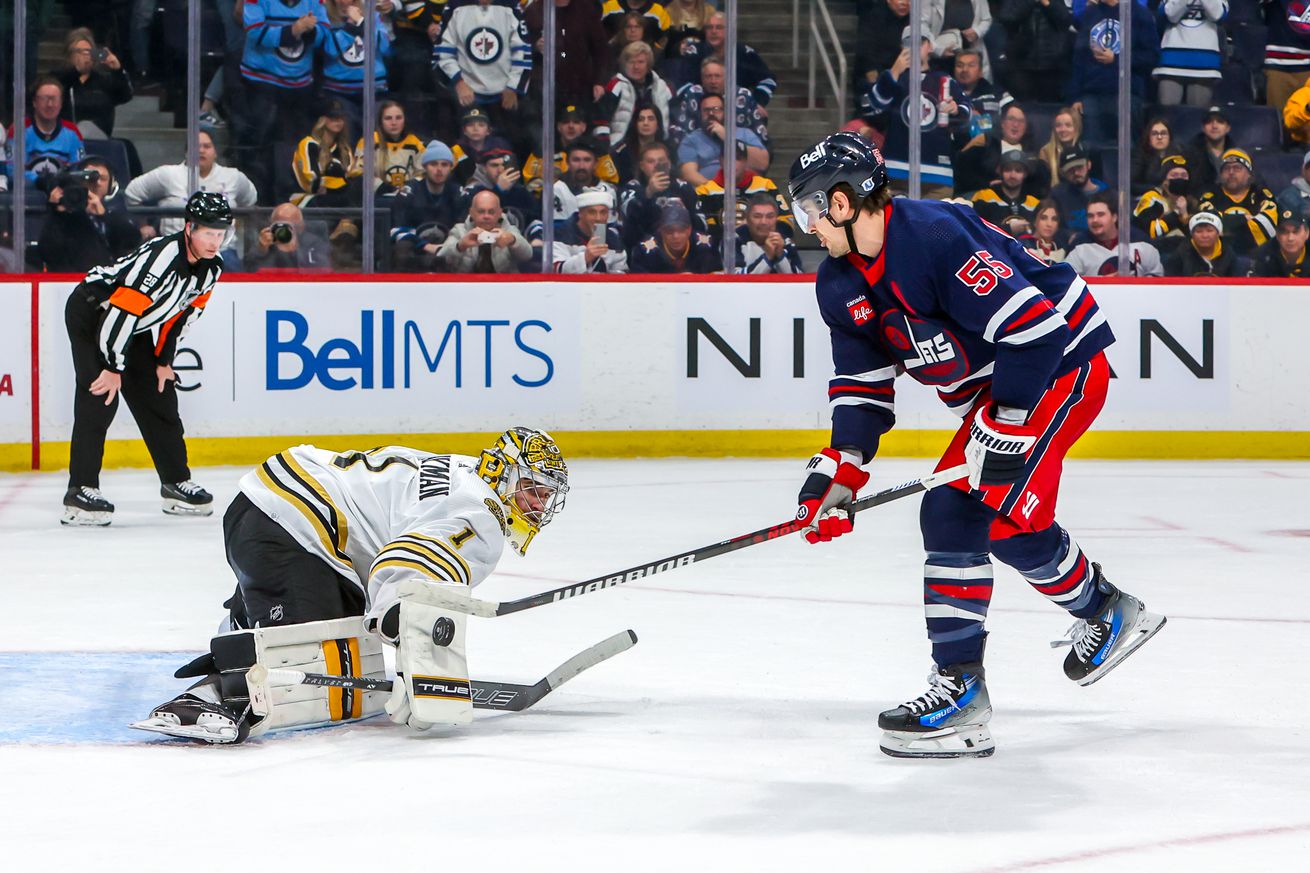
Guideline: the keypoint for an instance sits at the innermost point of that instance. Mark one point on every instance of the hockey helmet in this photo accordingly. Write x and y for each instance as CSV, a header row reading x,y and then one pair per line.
x,y
528,474
841,157
208,209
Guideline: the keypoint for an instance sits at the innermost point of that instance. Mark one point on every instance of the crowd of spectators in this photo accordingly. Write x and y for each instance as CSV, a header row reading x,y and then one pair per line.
x,y
1208,198
1017,113
456,169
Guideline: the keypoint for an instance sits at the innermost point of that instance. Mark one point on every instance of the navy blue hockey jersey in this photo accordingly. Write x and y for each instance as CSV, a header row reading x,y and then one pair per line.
x,y
957,304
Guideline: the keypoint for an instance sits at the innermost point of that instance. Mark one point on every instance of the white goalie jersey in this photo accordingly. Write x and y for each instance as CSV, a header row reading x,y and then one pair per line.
x,y
385,515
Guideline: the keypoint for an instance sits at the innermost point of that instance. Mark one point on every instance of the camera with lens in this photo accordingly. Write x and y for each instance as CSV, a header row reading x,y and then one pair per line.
x,y
76,185
101,55
282,232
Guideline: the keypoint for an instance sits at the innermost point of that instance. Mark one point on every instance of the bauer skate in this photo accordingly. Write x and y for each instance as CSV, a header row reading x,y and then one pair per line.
x,y
186,498
190,716
1102,643
949,720
85,506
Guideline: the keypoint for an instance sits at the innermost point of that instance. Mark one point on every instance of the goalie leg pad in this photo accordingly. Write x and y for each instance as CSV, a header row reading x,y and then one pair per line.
x,y
432,686
338,647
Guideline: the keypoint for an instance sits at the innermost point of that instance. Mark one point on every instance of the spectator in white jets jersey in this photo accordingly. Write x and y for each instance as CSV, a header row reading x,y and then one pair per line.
x,y
761,245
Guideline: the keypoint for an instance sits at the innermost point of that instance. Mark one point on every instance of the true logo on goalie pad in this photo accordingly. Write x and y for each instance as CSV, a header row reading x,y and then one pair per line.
x,y
441,686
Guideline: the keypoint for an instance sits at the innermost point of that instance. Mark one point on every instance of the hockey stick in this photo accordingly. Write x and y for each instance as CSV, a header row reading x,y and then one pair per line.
x,y
492,609
486,695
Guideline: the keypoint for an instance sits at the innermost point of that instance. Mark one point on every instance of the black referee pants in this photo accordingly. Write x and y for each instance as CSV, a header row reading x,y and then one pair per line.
x,y
155,411
279,581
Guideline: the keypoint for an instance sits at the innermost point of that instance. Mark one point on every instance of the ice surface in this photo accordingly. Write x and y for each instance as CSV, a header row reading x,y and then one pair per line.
x,y
738,735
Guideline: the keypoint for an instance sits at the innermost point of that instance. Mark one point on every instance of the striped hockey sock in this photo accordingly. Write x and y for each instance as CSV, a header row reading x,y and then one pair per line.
x,y
957,589
1067,580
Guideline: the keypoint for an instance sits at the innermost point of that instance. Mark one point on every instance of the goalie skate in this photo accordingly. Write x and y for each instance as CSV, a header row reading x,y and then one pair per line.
x,y
949,720
190,717
1102,643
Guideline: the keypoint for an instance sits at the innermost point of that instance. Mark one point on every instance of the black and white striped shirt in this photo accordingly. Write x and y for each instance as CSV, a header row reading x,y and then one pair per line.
x,y
153,288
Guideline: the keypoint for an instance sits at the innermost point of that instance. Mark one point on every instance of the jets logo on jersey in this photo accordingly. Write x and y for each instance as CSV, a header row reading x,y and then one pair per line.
x,y
927,112
291,52
929,349
1298,16
1105,34
484,45
860,309
354,55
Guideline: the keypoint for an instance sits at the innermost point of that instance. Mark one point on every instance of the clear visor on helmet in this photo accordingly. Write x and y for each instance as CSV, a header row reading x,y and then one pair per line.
x,y
536,496
808,209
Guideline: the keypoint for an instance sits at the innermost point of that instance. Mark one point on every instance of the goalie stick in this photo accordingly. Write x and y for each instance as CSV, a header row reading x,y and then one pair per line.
x,y
492,609
486,695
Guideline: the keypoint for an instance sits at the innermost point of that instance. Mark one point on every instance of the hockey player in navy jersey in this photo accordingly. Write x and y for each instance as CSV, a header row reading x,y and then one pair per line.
x,y
1015,347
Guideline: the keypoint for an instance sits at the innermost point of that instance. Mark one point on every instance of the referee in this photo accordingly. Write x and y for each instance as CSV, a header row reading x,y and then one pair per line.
x,y
124,322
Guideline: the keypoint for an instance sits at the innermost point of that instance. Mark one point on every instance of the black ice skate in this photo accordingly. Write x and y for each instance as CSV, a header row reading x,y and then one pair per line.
x,y
1100,644
949,720
190,717
186,498
86,506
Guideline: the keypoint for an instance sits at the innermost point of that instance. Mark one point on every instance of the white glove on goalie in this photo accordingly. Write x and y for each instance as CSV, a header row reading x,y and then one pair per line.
x,y
432,685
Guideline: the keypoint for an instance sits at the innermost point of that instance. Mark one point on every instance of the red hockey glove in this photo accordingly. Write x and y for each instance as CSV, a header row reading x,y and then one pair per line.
x,y
997,450
831,480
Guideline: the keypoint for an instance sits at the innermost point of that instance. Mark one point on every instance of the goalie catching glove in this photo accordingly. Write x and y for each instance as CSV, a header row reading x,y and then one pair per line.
x,y
832,479
998,446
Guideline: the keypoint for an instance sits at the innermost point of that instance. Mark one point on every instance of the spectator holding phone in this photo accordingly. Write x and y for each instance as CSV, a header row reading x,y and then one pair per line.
x,y
586,243
642,199
486,242
498,171
94,80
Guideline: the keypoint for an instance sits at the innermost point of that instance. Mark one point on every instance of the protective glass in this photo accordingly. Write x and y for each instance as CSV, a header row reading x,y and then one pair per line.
x,y
808,209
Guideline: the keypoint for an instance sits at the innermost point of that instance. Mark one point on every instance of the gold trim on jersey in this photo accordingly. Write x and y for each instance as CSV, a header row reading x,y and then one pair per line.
x,y
327,521
453,554
414,562
338,517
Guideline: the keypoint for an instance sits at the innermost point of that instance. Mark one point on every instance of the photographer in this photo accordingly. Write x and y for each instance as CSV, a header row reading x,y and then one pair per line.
x,y
80,232
486,242
125,322
284,244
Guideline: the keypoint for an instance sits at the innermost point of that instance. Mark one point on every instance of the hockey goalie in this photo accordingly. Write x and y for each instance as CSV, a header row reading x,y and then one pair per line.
x,y
337,555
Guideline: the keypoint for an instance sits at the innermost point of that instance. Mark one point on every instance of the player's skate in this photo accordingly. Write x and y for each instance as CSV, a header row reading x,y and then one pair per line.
x,y
949,720
193,716
186,498
1100,644
86,506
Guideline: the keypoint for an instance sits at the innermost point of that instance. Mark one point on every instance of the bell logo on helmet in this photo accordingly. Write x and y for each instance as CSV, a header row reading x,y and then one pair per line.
x,y
813,156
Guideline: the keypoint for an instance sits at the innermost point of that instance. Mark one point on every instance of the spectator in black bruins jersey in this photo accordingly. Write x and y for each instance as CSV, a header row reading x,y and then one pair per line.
x,y
397,150
675,248
655,20
475,137
642,199
570,127
1284,256
761,246
1204,253
1164,211
710,195
125,322
324,163
1004,203
1248,211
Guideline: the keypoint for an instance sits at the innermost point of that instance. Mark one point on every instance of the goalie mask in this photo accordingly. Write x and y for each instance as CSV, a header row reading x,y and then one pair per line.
x,y
528,474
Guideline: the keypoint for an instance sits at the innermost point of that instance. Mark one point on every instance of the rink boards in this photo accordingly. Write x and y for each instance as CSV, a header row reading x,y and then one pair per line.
x,y
705,366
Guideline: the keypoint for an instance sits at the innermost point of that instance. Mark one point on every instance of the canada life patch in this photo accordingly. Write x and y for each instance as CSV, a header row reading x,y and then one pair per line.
x,y
860,309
